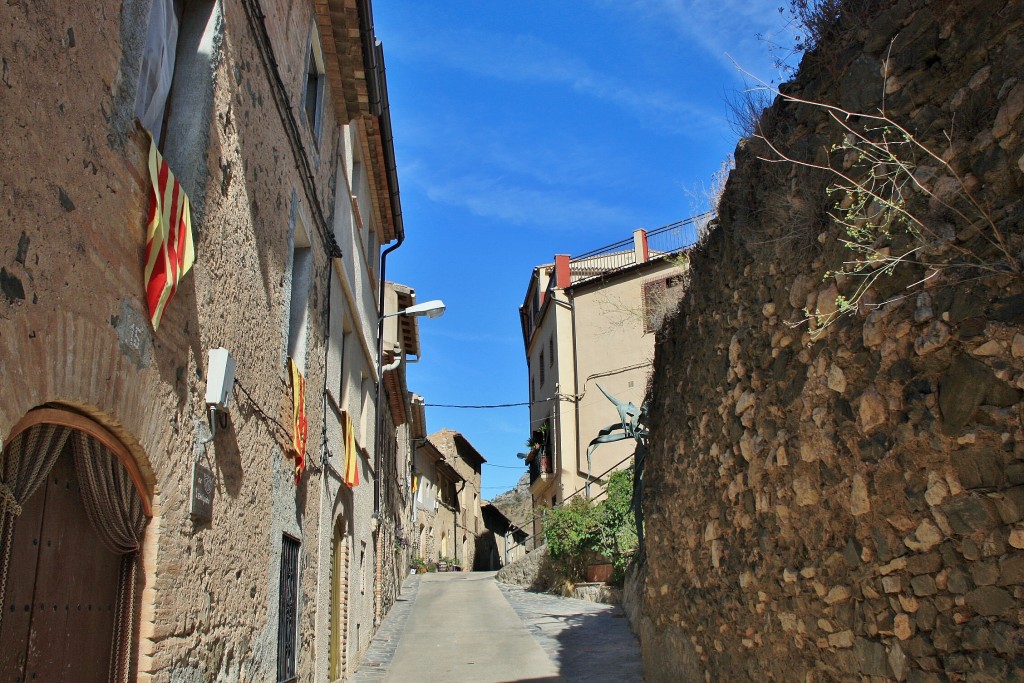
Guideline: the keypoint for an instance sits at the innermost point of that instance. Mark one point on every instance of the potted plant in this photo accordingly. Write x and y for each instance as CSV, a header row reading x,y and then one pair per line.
x,y
537,443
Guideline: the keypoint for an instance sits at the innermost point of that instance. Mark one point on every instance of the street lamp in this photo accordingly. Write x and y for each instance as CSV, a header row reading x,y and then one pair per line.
x,y
430,309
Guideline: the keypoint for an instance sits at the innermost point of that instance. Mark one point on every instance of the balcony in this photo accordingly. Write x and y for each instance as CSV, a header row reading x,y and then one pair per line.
x,y
540,466
539,458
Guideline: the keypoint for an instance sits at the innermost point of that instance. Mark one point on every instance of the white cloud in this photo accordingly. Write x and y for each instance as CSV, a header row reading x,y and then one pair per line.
x,y
733,32
551,209
527,59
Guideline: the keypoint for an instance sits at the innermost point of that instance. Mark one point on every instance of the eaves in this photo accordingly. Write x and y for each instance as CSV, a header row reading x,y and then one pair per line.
x,y
626,273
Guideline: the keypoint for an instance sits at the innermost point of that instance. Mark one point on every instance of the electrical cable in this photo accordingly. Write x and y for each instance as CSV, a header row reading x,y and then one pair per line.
x,y
492,405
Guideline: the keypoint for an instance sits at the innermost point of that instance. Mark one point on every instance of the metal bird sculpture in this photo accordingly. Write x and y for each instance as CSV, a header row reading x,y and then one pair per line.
x,y
632,424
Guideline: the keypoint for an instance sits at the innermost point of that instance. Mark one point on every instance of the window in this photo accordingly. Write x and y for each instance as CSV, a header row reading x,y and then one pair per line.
x,y
551,351
298,308
157,70
660,297
288,609
177,64
366,415
541,365
362,568
371,252
360,190
529,375
313,90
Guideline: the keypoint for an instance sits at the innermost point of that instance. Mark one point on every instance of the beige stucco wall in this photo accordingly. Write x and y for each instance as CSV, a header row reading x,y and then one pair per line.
x,y
611,349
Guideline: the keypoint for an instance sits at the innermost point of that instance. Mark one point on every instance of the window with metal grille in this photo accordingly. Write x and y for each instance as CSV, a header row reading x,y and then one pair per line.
x,y
288,610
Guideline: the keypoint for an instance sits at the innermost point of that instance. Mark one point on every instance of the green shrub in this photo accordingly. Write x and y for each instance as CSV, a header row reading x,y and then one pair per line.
x,y
569,532
616,532
584,531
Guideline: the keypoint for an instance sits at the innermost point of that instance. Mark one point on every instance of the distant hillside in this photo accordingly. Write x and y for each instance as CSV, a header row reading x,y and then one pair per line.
x,y
516,503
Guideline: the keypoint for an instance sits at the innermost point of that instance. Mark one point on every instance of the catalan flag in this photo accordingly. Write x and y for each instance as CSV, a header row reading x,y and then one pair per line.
x,y
351,472
169,251
299,423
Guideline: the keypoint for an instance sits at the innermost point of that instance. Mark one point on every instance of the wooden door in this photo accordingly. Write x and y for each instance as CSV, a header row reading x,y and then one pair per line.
x,y
60,606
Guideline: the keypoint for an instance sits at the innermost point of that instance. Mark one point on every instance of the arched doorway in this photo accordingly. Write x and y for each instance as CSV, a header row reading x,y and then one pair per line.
x,y
444,545
339,599
72,517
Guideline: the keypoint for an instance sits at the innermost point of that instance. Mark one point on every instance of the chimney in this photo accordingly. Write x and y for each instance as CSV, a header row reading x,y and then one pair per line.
x,y
640,251
562,276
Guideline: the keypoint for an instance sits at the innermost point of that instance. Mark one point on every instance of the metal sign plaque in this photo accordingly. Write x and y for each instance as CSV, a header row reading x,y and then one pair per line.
x,y
202,493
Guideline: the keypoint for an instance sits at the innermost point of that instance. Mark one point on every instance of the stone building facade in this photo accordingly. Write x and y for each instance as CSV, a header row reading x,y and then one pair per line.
x,y
467,462
436,501
844,502
448,518
276,124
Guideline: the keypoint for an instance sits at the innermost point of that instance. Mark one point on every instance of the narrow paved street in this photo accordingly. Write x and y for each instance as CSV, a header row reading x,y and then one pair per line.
x,y
467,627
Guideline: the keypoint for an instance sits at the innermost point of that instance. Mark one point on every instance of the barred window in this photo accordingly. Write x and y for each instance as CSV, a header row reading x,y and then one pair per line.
x,y
288,610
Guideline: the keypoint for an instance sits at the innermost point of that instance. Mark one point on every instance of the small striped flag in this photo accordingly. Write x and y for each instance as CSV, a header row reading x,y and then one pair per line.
x,y
299,423
351,473
169,250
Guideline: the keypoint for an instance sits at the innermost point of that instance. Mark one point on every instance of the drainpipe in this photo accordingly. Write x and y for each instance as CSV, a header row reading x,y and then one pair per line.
x,y
373,63
571,299
455,525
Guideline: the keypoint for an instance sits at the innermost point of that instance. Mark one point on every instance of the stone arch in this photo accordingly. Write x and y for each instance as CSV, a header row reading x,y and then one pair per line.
x,y
56,414
108,375
71,361
340,553
61,479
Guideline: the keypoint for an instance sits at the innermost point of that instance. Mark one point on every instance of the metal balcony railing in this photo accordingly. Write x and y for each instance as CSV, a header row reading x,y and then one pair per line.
x,y
668,239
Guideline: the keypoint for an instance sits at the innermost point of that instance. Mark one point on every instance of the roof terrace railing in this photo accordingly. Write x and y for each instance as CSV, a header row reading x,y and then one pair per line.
x,y
668,239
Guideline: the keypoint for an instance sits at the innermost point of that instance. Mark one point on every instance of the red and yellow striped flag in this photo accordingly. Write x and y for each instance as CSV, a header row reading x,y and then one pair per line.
x,y
169,251
299,423
351,471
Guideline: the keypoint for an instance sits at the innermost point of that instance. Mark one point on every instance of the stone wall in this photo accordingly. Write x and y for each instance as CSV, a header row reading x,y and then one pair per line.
x,y
847,502
74,328
534,571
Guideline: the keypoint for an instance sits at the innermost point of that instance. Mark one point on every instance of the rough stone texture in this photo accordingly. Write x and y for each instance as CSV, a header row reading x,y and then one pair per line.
x,y
889,549
74,328
533,571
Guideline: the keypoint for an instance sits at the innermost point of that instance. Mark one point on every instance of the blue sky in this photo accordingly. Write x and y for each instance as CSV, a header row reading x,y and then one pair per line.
x,y
525,129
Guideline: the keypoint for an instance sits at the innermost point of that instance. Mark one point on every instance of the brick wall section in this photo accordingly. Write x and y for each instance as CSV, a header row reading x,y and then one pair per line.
x,y
850,508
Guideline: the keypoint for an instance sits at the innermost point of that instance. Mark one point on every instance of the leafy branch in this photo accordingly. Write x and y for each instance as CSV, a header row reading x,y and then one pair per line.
x,y
880,173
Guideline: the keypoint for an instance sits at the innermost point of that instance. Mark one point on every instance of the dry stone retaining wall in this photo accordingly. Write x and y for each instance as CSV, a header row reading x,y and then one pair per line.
x,y
847,503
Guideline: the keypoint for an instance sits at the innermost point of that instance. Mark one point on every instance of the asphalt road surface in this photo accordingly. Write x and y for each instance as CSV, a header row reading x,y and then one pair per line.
x,y
464,626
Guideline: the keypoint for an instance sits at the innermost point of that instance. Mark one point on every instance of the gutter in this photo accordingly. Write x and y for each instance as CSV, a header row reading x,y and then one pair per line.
x,y
373,62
